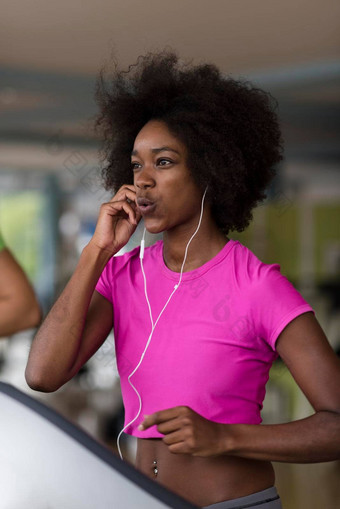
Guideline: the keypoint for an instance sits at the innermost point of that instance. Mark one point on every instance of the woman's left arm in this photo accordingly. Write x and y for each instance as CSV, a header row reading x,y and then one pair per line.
x,y
304,348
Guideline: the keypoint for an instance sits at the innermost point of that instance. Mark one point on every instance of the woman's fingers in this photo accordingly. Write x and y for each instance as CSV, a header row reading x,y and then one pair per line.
x,y
122,205
173,438
125,193
117,220
170,426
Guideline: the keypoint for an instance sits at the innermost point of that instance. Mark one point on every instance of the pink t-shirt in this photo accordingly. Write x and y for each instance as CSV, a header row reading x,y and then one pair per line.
x,y
215,342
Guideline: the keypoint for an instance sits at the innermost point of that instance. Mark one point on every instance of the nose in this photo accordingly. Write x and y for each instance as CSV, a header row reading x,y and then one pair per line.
x,y
143,179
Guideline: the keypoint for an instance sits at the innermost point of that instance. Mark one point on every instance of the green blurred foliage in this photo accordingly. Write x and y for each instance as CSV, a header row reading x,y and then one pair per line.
x,y
275,237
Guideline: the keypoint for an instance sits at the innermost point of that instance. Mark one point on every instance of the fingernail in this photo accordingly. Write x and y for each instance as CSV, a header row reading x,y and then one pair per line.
x,y
141,427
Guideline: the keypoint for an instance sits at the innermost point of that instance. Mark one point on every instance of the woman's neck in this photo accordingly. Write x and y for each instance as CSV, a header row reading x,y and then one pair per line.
x,y
206,244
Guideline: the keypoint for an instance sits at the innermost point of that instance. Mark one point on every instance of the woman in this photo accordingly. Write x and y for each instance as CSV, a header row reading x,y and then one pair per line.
x,y
198,320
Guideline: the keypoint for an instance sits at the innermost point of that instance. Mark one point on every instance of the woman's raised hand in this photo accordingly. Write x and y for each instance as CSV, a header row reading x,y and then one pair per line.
x,y
117,221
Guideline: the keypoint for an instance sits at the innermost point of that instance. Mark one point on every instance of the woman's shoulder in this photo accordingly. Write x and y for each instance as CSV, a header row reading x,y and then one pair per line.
x,y
249,268
128,257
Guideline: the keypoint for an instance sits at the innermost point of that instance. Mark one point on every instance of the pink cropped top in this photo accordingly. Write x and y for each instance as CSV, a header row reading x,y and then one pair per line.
x,y
213,346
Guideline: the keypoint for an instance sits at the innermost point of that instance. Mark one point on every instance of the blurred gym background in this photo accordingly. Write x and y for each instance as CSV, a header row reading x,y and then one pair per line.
x,y
50,188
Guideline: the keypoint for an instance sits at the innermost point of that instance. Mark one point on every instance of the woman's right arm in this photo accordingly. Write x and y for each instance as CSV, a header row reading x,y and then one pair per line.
x,y
81,319
78,323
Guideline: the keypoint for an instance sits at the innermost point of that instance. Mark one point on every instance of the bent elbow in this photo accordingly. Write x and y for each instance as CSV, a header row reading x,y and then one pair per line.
x,y
38,382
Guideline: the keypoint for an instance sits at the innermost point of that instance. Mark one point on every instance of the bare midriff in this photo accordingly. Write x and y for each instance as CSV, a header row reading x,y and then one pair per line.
x,y
202,481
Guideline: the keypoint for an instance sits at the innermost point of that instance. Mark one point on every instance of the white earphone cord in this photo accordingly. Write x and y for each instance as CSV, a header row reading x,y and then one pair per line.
x,y
153,326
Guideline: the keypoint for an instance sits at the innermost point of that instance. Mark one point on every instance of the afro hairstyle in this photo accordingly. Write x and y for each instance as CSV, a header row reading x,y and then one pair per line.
x,y
229,127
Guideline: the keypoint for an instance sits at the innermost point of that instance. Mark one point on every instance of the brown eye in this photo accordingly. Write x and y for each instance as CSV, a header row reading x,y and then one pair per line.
x,y
135,166
163,162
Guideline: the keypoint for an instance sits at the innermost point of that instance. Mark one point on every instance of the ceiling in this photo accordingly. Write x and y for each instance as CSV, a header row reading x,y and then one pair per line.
x,y
51,52
238,35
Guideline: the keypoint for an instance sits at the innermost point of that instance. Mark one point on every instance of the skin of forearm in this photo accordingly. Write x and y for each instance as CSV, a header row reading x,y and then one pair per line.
x,y
56,345
313,439
17,314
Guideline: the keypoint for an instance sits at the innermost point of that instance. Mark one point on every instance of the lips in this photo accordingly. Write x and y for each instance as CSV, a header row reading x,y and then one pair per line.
x,y
141,202
145,205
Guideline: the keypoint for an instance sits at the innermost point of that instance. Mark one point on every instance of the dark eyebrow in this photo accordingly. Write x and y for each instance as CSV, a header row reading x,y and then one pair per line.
x,y
157,150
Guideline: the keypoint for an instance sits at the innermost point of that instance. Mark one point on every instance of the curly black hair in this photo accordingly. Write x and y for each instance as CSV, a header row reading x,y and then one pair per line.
x,y
230,129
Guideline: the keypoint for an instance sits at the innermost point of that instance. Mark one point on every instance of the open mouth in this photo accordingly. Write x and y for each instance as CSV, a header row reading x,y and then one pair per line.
x,y
145,206
146,209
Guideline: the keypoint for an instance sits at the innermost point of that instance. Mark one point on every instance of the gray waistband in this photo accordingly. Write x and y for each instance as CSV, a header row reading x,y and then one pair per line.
x,y
265,499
